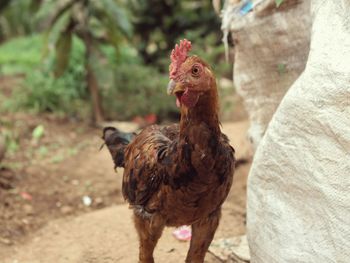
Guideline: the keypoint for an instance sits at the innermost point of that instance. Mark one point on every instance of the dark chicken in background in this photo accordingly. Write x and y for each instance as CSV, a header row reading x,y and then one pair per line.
x,y
179,174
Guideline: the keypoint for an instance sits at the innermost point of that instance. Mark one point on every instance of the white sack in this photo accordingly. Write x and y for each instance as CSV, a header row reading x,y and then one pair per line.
x,y
299,184
271,48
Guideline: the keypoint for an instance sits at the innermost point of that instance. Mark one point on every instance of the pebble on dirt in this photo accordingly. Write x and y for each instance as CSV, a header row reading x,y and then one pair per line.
x,y
5,241
66,210
28,209
87,201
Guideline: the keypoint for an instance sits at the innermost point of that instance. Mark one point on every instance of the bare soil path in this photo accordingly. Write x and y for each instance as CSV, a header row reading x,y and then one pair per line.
x,y
103,232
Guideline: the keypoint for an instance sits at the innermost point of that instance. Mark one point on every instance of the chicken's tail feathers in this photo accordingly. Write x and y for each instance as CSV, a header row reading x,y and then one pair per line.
x,y
116,142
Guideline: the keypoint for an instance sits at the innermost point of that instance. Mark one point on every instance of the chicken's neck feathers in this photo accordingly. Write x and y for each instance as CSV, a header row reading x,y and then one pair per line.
x,y
206,111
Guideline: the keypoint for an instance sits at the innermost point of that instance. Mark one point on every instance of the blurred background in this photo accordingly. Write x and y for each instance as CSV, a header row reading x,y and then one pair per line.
x,y
70,67
100,60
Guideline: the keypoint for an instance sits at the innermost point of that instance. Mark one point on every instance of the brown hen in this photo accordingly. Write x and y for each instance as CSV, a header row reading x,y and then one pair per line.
x,y
179,174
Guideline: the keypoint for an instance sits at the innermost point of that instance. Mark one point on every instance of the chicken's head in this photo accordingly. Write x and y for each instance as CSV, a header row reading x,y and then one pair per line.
x,y
190,77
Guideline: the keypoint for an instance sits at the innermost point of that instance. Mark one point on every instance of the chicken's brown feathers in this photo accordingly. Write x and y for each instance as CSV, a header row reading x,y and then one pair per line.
x,y
143,172
159,159
178,174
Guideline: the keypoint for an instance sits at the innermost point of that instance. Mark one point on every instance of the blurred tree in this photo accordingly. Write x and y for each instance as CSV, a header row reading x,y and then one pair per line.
x,y
93,22
158,24
16,18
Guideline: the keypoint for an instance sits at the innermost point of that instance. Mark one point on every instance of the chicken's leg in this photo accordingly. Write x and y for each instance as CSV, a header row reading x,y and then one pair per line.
x,y
202,234
149,231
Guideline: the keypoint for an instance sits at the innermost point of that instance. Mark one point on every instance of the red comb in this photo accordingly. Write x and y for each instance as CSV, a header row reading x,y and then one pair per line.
x,y
178,56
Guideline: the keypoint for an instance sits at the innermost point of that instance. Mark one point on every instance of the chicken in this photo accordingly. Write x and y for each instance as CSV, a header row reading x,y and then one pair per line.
x,y
178,174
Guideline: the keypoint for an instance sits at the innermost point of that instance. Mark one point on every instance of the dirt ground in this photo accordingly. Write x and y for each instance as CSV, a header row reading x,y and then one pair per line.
x,y
43,217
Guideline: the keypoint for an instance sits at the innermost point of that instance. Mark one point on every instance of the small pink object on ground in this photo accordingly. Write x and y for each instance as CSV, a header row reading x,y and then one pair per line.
x,y
183,233
26,196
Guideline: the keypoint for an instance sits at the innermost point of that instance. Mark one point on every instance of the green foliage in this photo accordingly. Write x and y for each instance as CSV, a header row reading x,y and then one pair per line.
x,y
20,55
159,24
136,91
93,22
125,55
115,15
38,132
16,18
128,87
63,49
11,140
55,70
44,93
40,91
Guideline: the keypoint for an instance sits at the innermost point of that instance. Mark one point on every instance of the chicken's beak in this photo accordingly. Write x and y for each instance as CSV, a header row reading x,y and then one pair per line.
x,y
174,87
171,87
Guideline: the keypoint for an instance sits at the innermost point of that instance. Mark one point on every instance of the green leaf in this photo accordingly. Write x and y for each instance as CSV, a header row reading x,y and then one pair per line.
x,y
116,15
38,132
114,36
53,33
63,48
278,2
61,11
35,5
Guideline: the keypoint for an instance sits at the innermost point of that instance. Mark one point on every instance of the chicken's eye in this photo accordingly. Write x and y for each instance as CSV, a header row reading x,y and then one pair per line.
x,y
196,69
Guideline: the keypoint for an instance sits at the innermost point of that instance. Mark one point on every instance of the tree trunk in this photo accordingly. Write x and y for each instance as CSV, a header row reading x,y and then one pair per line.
x,y
2,148
92,82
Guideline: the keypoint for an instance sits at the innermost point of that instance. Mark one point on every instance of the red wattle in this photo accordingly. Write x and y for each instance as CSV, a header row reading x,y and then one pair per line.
x,y
189,98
